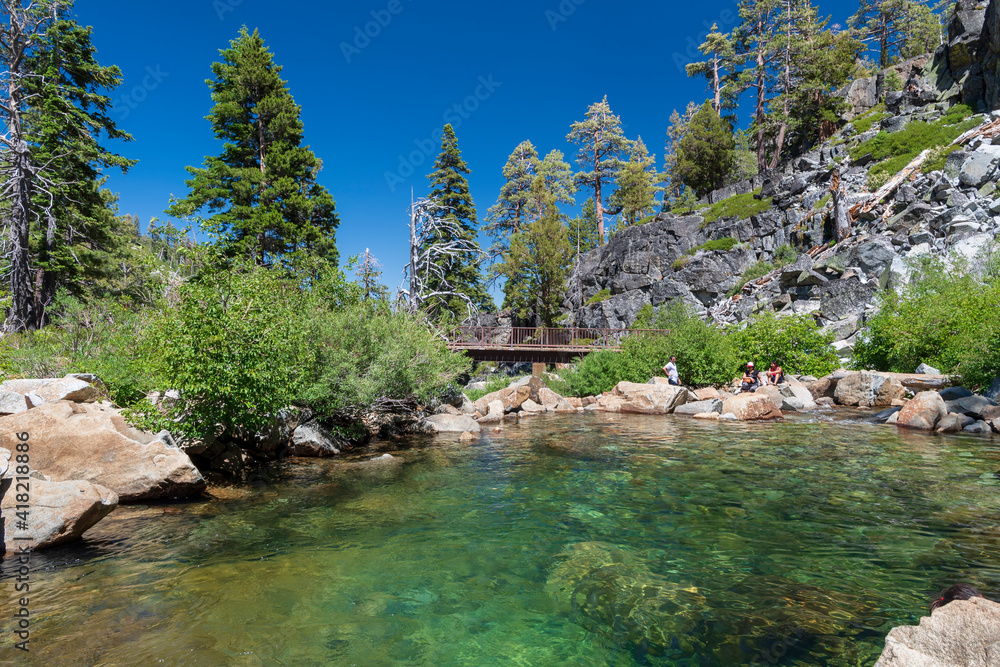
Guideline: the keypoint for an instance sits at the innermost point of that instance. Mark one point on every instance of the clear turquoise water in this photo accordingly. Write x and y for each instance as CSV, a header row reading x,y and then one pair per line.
x,y
573,540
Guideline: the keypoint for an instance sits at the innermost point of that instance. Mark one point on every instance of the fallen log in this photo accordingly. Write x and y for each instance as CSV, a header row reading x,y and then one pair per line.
x,y
889,187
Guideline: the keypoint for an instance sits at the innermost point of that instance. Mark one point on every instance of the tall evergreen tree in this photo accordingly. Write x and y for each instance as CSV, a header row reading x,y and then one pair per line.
x,y
507,216
705,155
673,184
583,229
261,193
887,24
755,40
717,68
75,242
538,262
637,185
450,191
603,148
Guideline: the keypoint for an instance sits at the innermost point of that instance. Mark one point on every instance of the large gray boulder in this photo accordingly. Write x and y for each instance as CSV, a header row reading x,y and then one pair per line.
x,y
965,633
74,441
60,512
700,407
450,424
51,390
646,399
865,390
312,441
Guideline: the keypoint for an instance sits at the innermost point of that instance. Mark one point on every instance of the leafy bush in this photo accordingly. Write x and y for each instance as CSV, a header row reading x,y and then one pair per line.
x,y
603,295
724,244
938,158
738,206
821,203
794,341
784,255
753,272
594,374
864,123
680,262
946,317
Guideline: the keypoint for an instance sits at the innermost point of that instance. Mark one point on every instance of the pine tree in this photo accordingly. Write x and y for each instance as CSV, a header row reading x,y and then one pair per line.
x,y
705,155
717,69
603,148
674,184
560,182
755,40
637,185
74,245
923,28
886,23
583,229
450,191
508,214
538,262
262,195
369,273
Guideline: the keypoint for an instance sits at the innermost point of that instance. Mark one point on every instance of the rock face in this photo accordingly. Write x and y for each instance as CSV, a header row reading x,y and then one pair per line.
x,y
700,407
72,441
924,412
645,399
751,407
54,389
60,511
965,633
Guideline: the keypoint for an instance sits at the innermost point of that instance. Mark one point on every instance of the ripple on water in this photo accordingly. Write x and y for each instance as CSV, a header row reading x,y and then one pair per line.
x,y
578,540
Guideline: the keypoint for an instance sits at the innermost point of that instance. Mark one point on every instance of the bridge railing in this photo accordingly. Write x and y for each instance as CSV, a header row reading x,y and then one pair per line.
x,y
568,338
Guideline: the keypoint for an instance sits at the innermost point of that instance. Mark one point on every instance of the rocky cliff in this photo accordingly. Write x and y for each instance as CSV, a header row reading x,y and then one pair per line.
x,y
952,208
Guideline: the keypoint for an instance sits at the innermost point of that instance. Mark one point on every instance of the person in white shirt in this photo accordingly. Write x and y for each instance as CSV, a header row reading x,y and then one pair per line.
x,y
671,370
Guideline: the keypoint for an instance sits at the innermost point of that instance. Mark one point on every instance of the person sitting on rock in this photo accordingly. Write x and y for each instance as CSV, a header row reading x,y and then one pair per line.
x,y
751,379
671,370
775,375
956,592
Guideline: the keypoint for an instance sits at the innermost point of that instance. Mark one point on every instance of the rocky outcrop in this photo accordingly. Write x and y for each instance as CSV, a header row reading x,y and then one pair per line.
x,y
965,633
60,512
73,441
868,390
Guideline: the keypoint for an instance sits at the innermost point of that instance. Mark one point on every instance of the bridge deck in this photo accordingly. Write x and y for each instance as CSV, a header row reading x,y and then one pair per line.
x,y
537,344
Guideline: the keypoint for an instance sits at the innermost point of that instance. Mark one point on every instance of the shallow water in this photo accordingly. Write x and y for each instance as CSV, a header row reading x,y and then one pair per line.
x,y
572,540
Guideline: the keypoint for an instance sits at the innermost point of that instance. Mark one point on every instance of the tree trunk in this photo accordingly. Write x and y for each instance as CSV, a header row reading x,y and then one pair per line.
x,y
597,199
715,84
841,217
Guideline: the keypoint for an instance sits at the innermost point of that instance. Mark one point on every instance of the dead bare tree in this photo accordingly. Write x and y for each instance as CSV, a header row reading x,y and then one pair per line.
x,y
430,261
24,183
841,217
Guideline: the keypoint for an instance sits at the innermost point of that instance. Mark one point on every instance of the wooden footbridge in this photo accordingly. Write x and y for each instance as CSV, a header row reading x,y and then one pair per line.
x,y
537,344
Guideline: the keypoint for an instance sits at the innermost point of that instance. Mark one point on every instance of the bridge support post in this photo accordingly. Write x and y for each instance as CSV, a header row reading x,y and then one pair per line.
x,y
537,370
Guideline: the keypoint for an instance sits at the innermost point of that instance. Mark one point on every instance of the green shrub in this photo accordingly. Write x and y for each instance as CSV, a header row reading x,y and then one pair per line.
x,y
821,204
865,122
893,81
938,158
753,272
794,341
603,295
680,262
740,207
724,244
784,255
945,317
593,375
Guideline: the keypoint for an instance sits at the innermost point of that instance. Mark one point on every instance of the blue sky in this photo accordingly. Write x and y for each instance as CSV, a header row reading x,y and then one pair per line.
x,y
376,78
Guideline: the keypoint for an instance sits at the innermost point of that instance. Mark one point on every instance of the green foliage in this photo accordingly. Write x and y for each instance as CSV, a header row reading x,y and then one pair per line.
x,y
705,154
493,384
892,82
724,244
637,185
680,262
450,190
894,151
740,207
593,375
865,122
583,228
753,272
945,317
938,158
821,204
784,255
603,295
795,342
262,195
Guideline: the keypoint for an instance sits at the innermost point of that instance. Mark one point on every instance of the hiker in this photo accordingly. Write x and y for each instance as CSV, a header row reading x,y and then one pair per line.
x,y
775,375
751,379
671,370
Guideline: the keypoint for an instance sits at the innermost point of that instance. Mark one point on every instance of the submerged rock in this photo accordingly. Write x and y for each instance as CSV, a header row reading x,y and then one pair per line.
x,y
965,633
446,423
